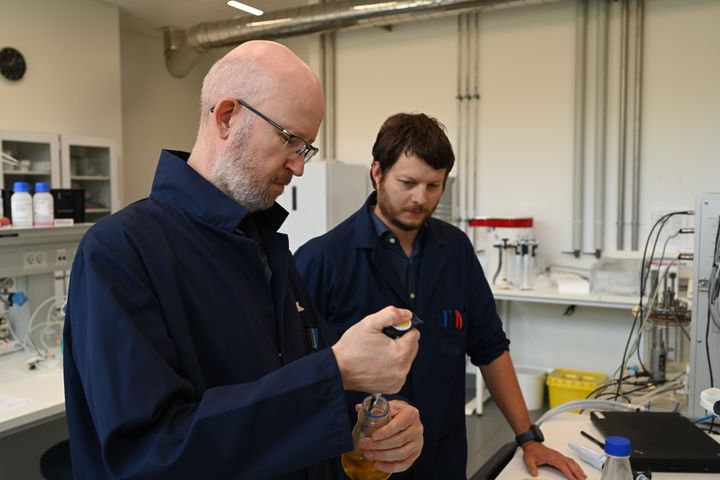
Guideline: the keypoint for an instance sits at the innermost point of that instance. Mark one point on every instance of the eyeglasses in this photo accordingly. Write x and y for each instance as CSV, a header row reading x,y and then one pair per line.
x,y
292,142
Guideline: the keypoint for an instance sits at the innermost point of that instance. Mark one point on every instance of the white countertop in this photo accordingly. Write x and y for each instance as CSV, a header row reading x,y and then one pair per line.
x,y
29,397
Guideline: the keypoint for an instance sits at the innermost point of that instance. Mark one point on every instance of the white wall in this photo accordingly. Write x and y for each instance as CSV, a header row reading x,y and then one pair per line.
x,y
72,83
526,132
158,110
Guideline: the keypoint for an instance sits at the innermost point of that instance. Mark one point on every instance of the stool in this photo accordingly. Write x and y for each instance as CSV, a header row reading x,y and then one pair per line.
x,y
55,463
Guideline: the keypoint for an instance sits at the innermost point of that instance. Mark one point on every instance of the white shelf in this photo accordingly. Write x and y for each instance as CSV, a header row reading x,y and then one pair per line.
x,y
39,173
97,210
552,296
90,178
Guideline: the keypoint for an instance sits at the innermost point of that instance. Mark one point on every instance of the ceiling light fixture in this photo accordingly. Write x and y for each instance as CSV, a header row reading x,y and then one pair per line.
x,y
245,8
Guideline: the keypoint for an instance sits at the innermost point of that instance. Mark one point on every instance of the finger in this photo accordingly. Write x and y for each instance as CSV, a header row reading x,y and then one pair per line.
x,y
403,419
388,316
401,454
566,470
577,470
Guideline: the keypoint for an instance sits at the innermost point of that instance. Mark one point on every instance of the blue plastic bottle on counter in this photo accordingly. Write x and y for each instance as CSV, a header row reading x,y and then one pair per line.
x,y
21,205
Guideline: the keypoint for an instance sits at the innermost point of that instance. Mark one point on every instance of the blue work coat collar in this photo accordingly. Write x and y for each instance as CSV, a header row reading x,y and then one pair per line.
x,y
178,183
432,246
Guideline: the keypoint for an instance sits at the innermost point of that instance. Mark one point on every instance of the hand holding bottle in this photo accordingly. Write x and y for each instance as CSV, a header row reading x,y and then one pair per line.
x,y
395,446
370,361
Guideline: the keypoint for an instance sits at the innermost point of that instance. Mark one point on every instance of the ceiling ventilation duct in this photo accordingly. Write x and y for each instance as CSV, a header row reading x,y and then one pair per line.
x,y
183,47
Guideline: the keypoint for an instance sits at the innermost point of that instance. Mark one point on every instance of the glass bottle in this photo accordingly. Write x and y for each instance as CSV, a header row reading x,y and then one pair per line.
x,y
617,464
375,413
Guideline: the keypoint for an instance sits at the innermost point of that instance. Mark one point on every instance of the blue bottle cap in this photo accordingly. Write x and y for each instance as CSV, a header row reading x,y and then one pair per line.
x,y
20,187
618,446
42,187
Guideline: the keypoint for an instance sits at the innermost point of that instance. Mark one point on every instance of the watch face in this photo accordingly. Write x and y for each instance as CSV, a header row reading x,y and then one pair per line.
x,y
12,64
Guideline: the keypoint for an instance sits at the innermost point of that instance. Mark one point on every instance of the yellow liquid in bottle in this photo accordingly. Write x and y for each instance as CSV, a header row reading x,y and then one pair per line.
x,y
358,467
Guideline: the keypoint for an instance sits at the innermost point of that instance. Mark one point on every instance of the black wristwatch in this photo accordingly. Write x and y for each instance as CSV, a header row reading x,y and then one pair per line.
x,y
533,434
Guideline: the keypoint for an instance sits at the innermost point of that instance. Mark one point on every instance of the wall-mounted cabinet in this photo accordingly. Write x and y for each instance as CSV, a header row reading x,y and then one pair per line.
x,y
90,164
38,157
64,161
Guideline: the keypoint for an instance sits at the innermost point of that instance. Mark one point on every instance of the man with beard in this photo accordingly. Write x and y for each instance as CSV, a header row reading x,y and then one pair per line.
x,y
392,252
191,347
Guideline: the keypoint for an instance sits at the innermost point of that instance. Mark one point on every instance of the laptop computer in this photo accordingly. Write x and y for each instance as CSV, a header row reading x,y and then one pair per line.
x,y
662,441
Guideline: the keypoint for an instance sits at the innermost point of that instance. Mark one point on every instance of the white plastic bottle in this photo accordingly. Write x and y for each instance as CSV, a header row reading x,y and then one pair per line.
x,y
617,464
43,210
21,206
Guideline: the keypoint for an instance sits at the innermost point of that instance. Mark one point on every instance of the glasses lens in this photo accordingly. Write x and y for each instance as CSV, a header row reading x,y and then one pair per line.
x,y
296,145
310,153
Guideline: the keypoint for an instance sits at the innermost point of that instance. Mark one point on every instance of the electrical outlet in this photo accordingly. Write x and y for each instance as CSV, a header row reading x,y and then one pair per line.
x,y
61,257
36,259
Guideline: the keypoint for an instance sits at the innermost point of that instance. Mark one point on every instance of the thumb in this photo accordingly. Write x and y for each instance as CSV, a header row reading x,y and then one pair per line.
x,y
388,316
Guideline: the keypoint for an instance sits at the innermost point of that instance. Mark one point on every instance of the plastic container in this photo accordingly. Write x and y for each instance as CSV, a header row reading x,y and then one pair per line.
x,y
43,210
617,463
21,205
566,385
532,385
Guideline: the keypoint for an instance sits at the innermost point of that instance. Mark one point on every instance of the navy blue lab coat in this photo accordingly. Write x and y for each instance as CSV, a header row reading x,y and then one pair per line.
x,y
181,360
349,275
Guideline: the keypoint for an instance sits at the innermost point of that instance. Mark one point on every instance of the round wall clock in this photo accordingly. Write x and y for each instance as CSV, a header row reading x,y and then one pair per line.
x,y
12,64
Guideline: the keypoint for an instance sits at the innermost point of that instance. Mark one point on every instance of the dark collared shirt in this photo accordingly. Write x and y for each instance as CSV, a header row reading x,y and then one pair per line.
x,y
407,268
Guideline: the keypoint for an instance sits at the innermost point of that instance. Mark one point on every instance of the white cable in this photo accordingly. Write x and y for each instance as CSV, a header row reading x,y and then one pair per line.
x,y
589,405
32,320
46,326
669,386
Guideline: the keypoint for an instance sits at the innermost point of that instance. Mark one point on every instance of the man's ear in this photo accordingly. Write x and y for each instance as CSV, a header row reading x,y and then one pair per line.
x,y
376,172
221,115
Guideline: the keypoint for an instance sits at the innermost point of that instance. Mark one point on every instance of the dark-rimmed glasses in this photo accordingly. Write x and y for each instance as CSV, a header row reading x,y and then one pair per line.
x,y
296,144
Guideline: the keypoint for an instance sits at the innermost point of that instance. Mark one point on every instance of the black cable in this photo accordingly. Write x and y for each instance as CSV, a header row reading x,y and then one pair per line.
x,y
664,278
643,280
710,302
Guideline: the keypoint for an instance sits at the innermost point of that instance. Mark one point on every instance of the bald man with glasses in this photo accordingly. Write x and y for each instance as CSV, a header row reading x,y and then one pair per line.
x,y
191,347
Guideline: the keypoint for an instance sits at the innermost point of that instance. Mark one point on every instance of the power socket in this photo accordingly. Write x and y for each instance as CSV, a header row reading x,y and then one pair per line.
x,y
36,259
61,257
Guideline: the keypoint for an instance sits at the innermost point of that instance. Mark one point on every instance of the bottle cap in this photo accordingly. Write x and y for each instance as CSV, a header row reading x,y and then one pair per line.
x,y
42,187
618,446
20,187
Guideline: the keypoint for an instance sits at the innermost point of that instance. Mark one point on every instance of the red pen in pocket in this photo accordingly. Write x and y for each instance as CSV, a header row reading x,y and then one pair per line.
x,y
458,320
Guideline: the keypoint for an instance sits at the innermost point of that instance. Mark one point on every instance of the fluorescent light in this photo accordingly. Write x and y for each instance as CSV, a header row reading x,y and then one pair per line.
x,y
245,8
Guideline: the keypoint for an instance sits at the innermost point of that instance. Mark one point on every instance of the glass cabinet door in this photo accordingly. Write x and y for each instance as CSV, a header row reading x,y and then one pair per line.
x,y
89,164
29,157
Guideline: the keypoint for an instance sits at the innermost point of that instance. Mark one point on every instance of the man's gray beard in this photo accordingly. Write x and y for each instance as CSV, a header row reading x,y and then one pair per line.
x,y
236,175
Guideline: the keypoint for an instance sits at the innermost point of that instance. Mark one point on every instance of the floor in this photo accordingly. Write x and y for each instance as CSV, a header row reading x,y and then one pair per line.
x,y
487,433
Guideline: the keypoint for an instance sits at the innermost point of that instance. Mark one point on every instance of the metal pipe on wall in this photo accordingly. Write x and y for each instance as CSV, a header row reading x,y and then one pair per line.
x,y
469,163
622,124
476,129
460,154
579,136
328,56
600,127
458,97
637,124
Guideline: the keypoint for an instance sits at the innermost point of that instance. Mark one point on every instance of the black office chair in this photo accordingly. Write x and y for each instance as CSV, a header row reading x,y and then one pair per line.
x,y
55,463
495,464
